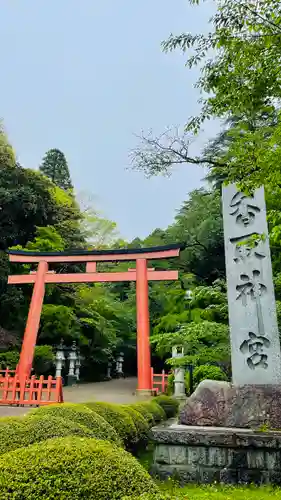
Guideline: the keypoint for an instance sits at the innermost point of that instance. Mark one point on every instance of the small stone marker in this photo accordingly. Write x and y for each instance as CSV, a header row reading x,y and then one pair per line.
x,y
255,346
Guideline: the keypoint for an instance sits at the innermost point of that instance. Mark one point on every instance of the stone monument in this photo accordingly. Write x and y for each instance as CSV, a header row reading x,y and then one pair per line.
x,y
254,397
254,336
226,430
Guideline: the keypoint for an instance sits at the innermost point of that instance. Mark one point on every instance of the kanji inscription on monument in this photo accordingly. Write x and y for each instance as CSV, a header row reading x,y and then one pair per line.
x,y
255,346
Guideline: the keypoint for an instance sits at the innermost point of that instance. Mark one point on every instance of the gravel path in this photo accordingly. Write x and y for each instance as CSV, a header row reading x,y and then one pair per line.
x,y
115,391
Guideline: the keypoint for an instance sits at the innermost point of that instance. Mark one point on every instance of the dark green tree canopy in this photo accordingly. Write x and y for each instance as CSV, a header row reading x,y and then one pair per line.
x,y
54,166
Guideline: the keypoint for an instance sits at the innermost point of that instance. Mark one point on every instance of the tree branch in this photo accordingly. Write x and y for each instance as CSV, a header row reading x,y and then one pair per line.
x,y
157,155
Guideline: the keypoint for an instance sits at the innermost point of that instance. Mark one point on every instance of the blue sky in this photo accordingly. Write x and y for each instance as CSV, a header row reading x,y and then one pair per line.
x,y
85,76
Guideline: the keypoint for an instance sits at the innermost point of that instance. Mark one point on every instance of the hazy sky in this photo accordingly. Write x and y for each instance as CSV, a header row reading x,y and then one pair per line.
x,y
85,76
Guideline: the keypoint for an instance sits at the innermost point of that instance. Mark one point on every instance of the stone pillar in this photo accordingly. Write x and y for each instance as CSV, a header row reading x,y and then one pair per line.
x,y
179,382
72,357
60,359
255,347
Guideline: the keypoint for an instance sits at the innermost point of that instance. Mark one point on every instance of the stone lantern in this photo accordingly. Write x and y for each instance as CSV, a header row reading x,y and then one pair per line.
x,y
179,381
119,365
109,368
77,367
60,359
72,358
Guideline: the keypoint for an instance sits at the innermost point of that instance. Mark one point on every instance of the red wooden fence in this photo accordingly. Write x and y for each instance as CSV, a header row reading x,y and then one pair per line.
x,y
29,391
159,381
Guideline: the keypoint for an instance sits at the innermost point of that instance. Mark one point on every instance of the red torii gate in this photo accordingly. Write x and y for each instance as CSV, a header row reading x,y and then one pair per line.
x,y
141,274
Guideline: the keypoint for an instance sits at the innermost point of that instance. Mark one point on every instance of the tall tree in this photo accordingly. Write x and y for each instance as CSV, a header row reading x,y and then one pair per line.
x,y
54,166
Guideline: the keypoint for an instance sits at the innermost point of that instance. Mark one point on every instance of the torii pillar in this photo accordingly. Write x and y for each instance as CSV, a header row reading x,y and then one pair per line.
x,y
143,343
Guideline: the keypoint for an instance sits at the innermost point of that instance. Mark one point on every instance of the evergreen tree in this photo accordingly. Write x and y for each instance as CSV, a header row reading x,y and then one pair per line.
x,y
54,166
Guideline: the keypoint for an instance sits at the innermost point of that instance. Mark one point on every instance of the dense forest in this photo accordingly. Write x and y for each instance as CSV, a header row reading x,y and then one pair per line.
x,y
39,211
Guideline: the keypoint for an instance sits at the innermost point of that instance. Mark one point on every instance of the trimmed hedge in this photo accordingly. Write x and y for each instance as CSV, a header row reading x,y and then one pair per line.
x,y
82,415
10,433
170,405
156,411
27,431
119,419
140,423
144,411
76,468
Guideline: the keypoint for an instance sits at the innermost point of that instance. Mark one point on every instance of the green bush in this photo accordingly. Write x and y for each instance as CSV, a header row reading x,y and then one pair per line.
x,y
80,414
170,405
26,431
72,468
210,372
140,424
119,419
156,411
10,430
44,359
151,411
144,411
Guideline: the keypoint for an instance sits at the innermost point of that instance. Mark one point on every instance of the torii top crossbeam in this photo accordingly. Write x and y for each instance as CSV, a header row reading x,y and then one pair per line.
x,y
91,258
141,274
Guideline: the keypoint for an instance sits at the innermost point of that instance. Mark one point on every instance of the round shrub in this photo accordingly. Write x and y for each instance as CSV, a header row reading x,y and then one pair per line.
x,y
170,405
31,430
140,423
10,433
79,414
144,411
156,411
119,419
72,468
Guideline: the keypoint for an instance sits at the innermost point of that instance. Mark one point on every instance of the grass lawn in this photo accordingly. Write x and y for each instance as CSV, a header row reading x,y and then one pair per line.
x,y
220,493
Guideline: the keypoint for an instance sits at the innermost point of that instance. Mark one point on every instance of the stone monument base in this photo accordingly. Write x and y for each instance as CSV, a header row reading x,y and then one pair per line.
x,y
222,404
204,455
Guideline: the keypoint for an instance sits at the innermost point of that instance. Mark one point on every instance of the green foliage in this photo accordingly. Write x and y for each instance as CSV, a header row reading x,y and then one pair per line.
x,y
9,359
119,419
54,166
44,359
156,411
73,468
203,342
58,321
7,154
170,405
26,203
140,424
170,386
208,372
23,432
145,411
47,239
79,414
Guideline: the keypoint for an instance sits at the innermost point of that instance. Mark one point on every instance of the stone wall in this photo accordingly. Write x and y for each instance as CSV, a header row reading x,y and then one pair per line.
x,y
209,454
